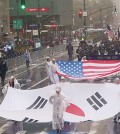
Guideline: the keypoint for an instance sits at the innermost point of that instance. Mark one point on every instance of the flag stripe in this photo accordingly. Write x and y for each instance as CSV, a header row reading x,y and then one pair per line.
x,y
31,120
96,101
103,101
89,101
44,104
98,95
24,120
38,105
36,101
35,121
95,107
88,69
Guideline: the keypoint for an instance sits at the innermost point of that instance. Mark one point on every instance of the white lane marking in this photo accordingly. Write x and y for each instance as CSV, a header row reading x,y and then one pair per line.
x,y
21,132
43,132
35,66
5,126
37,83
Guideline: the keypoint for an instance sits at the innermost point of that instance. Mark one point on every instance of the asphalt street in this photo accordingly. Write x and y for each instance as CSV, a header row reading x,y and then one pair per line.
x,y
36,77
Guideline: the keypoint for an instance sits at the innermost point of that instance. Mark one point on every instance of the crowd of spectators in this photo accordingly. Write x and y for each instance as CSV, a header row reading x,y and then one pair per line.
x,y
105,47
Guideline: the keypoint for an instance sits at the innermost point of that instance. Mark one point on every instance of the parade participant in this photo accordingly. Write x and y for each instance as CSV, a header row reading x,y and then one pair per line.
x,y
60,103
16,126
27,58
11,83
117,81
54,68
49,71
62,79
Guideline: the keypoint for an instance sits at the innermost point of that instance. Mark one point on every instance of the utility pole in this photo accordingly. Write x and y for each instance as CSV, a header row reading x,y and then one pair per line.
x,y
17,1
53,19
84,3
39,24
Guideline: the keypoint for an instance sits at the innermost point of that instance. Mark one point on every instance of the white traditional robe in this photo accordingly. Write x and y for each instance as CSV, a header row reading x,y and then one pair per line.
x,y
5,88
49,72
54,68
60,103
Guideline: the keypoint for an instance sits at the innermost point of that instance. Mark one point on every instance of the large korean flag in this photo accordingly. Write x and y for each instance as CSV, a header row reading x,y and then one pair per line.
x,y
87,102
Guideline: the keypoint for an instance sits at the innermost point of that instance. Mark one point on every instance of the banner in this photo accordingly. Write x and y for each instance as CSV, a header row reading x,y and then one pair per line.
x,y
103,57
87,102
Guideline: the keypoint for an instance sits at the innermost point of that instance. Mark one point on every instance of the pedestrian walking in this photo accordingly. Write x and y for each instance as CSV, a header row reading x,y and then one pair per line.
x,y
60,103
16,126
27,58
69,48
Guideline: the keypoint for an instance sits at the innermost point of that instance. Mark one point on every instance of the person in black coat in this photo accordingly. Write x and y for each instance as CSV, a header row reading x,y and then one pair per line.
x,y
80,53
69,48
3,70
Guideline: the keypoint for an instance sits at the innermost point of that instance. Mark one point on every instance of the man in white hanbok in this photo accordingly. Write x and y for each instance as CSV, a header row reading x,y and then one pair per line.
x,y
11,83
60,103
16,125
49,70
54,68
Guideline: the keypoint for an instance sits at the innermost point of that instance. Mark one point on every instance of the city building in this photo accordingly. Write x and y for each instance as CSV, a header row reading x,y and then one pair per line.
x,y
4,17
52,16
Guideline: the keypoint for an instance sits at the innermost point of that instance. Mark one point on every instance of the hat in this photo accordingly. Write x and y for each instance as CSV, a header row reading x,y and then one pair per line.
x,y
53,59
47,57
12,77
62,78
58,89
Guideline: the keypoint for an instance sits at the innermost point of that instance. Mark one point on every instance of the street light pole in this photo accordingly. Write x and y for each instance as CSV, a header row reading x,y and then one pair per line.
x,y
17,1
39,24
84,3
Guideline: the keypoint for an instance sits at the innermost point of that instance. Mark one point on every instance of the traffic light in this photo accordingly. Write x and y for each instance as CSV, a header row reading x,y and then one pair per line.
x,y
80,13
23,4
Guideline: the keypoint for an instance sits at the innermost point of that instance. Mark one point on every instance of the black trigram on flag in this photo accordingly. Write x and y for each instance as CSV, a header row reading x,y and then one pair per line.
x,y
29,120
96,101
38,103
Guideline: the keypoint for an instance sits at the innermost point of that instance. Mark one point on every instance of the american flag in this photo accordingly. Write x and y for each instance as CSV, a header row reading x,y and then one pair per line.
x,y
87,69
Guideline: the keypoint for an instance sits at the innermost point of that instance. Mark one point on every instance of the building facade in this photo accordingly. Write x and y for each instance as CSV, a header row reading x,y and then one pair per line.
x,y
51,12
4,17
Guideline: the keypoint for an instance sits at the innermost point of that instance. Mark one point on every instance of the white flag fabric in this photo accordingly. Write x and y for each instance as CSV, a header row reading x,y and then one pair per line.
x,y
87,102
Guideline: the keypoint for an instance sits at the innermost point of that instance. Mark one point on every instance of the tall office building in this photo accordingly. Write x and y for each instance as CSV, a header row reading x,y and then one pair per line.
x,y
4,16
60,11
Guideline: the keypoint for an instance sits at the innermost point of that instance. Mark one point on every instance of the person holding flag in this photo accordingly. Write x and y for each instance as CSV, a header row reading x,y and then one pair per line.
x,y
54,69
60,103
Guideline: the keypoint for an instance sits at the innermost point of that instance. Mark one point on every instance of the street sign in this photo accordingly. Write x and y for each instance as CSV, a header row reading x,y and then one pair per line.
x,y
43,9
35,32
84,13
17,24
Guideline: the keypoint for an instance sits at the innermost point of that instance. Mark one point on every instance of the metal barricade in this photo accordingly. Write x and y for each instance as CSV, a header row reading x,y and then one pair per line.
x,y
35,56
